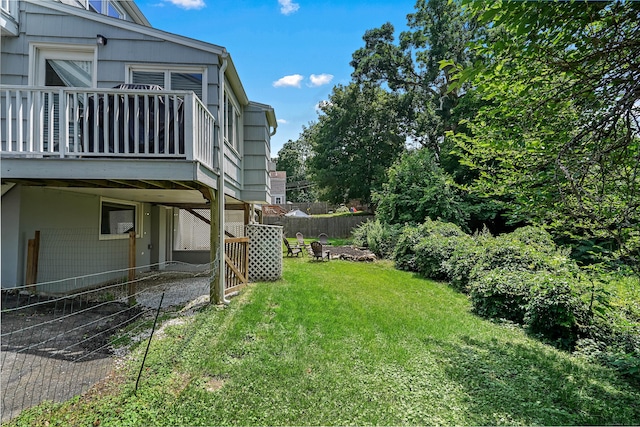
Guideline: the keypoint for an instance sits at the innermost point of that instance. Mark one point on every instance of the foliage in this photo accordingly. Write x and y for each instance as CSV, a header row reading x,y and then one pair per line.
x,y
436,247
409,68
555,310
381,238
416,189
354,141
528,249
404,254
557,134
501,294
292,158
438,30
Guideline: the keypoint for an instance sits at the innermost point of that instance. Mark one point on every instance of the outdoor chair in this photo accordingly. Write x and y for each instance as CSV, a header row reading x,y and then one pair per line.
x,y
300,237
322,238
291,251
318,252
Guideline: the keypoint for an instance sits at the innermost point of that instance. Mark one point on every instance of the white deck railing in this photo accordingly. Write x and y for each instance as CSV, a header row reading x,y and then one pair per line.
x,y
73,122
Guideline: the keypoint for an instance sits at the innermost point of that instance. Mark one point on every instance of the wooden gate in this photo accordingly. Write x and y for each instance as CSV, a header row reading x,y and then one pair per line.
x,y
236,257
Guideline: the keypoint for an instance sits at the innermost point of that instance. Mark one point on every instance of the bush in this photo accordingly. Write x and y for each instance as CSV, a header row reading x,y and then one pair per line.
x,y
404,254
378,237
465,256
501,294
526,249
546,303
436,247
555,310
614,335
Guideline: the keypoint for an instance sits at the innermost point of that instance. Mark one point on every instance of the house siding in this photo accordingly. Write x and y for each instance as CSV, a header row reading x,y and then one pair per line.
x,y
40,24
256,152
70,243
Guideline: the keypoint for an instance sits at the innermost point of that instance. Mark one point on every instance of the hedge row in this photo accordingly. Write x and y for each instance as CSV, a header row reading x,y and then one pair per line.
x,y
522,277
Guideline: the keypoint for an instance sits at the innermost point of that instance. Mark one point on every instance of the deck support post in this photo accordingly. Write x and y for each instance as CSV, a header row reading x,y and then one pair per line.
x,y
216,251
131,285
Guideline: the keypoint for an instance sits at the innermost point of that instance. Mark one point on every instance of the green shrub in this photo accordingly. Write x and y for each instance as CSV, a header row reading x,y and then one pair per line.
x,y
501,294
614,335
378,237
465,256
526,249
555,310
404,253
536,237
436,247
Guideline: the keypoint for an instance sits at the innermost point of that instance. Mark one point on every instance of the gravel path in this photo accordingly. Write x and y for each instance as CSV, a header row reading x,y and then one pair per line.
x,y
47,361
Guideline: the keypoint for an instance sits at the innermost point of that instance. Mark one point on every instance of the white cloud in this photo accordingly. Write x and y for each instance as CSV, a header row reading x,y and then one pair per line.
x,y
320,79
293,80
287,7
283,121
188,4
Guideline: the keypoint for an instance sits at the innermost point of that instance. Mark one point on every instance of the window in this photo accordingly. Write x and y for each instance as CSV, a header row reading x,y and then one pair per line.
x,y
231,122
170,79
62,65
278,200
117,219
106,7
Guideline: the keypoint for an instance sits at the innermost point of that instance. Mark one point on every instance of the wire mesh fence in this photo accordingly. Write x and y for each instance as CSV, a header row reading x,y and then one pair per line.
x,y
57,346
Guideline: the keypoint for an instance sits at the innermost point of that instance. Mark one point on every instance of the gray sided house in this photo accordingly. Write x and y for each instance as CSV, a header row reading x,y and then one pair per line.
x,y
109,126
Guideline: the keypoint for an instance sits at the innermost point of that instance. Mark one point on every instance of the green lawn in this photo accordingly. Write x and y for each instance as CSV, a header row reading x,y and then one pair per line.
x,y
342,343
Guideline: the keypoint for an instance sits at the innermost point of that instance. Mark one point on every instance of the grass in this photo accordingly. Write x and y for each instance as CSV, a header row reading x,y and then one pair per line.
x,y
342,343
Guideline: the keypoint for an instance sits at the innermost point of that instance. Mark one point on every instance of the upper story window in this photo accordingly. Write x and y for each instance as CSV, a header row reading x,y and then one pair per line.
x,y
231,126
192,79
106,7
8,18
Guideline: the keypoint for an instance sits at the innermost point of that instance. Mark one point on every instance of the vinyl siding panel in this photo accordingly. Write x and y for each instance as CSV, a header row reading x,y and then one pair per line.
x,y
39,24
256,155
69,224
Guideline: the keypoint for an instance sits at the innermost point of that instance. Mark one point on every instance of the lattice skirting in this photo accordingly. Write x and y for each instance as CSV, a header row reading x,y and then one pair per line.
x,y
265,252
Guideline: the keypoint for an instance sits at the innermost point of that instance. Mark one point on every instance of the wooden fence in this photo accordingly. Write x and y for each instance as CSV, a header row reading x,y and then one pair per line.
x,y
236,256
339,227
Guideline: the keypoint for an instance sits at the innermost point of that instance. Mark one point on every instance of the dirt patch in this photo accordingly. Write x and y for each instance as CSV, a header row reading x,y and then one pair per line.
x,y
351,253
56,348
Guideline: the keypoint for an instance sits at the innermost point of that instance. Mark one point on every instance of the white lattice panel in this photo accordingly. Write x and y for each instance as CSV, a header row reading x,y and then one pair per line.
x,y
265,252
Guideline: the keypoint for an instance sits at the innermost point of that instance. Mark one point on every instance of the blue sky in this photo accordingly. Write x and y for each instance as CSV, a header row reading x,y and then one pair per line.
x,y
289,53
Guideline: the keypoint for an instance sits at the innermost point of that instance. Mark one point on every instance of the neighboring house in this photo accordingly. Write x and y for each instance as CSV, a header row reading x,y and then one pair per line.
x,y
278,187
84,162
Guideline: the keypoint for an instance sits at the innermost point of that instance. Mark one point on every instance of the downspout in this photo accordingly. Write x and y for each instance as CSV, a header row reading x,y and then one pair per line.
x,y
221,261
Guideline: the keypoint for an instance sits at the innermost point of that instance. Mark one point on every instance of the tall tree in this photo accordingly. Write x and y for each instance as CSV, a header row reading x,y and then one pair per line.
x,y
560,128
292,158
354,141
438,30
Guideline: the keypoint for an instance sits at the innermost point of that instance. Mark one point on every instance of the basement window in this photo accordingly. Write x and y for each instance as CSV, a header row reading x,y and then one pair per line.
x,y
118,218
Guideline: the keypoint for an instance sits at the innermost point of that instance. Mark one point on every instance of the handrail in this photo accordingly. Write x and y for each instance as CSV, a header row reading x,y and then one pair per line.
x,y
90,122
